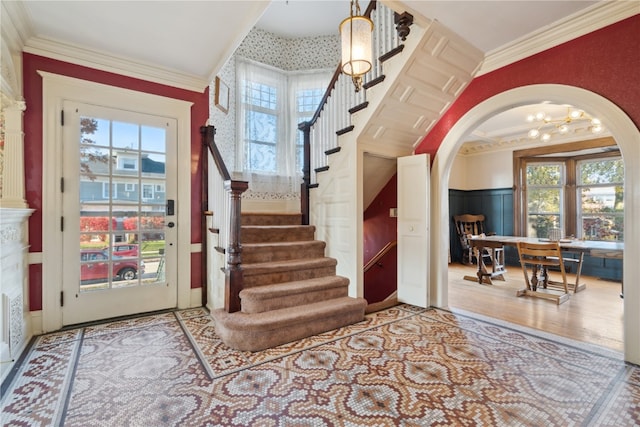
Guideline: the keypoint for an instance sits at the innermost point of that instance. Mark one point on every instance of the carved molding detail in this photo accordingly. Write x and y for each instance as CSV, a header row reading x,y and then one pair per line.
x,y
10,233
16,329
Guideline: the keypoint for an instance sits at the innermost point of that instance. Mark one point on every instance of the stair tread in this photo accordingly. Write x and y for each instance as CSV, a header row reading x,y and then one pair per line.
x,y
269,320
281,227
289,288
259,245
292,264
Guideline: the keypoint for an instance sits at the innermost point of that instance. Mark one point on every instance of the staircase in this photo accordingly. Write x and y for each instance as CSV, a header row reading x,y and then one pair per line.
x,y
291,290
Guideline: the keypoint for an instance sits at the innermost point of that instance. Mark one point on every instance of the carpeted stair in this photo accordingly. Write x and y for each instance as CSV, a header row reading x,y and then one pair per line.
x,y
291,288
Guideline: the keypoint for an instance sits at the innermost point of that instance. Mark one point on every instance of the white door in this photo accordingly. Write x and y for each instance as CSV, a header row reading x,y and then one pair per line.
x,y
413,229
119,225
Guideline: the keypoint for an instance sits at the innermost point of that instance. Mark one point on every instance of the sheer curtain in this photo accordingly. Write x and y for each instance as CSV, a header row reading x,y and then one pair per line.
x,y
268,142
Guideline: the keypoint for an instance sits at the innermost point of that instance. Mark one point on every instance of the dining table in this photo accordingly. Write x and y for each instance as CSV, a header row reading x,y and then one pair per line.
x,y
497,269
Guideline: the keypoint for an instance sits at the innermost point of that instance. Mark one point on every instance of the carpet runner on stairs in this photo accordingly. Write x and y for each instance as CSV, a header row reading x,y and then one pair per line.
x,y
291,288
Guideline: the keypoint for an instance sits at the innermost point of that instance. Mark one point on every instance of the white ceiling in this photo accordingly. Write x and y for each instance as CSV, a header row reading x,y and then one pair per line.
x,y
195,38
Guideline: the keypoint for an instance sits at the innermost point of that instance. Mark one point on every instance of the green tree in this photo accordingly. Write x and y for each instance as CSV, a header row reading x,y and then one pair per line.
x,y
88,153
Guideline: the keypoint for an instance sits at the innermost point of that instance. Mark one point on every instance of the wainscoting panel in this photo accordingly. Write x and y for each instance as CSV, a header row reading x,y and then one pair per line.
x,y
497,207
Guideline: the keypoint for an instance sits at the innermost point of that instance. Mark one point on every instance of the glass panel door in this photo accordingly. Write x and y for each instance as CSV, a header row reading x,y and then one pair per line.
x,y
120,200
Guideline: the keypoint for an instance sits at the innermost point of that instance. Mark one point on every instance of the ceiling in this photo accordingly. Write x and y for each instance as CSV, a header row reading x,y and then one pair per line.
x,y
193,39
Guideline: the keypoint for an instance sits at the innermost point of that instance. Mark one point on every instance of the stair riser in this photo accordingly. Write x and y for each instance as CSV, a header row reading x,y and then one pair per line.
x,y
266,235
259,305
256,340
288,276
269,254
271,219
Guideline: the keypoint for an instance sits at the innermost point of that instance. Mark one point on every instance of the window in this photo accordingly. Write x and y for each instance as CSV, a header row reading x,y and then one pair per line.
x,y
261,126
271,104
147,191
129,187
128,163
159,188
307,101
105,190
582,195
544,195
600,193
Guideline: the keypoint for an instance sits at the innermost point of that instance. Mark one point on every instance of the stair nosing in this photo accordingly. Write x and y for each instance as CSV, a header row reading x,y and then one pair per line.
x,y
282,287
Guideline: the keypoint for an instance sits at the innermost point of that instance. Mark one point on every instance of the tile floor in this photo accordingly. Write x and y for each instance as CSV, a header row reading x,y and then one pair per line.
x,y
403,366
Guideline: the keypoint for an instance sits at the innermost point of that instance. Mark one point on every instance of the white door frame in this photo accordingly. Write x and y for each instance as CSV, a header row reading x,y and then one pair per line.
x,y
627,137
55,90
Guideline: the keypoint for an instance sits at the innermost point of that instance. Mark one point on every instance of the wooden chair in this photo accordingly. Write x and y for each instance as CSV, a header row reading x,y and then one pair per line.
x,y
539,257
473,225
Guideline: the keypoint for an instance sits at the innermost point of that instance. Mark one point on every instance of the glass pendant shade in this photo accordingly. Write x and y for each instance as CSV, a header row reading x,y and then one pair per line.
x,y
356,34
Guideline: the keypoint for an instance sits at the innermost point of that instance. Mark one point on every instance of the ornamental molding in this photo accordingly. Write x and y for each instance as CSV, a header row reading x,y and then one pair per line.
x,y
583,22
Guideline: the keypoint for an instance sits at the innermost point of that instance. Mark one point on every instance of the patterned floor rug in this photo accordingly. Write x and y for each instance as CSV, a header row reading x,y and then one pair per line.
x,y
403,366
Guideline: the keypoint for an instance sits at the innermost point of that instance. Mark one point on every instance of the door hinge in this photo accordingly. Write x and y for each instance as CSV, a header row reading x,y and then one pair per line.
x,y
61,223
62,185
61,117
61,299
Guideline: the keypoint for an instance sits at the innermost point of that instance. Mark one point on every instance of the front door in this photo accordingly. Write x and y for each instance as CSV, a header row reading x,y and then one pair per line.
x,y
118,195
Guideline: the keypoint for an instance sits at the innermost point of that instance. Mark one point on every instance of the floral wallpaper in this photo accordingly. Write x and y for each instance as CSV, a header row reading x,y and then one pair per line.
x,y
310,53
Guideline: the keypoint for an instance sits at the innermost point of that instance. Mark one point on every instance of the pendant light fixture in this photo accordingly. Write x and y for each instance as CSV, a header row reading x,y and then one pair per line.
x,y
355,33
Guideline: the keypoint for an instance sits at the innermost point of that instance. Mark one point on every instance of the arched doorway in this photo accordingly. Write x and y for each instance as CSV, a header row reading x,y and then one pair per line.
x,y
623,131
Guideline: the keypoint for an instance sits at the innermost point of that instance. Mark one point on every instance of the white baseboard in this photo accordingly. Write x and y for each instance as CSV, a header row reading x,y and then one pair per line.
x,y
36,322
196,297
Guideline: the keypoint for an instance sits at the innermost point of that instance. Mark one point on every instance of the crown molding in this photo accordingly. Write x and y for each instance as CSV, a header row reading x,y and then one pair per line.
x,y
586,21
78,55
16,27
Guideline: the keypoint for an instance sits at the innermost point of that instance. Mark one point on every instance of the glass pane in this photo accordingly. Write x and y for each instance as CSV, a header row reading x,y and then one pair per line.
x,y
602,212
543,211
125,135
122,204
602,171
261,157
153,165
153,139
544,174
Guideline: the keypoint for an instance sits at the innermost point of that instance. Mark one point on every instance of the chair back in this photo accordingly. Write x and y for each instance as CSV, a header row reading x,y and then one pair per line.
x,y
469,224
538,257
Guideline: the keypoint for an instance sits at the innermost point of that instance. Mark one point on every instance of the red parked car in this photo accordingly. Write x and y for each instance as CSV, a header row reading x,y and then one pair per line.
x,y
123,249
94,264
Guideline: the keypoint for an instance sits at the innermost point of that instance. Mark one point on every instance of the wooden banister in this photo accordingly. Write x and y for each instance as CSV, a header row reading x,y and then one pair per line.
x,y
402,23
373,261
234,279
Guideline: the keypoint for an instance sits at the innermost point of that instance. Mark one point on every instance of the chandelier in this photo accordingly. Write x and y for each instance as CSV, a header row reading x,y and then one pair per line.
x,y
355,34
546,126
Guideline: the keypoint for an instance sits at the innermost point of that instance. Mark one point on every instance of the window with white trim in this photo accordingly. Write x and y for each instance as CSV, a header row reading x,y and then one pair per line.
x,y
271,103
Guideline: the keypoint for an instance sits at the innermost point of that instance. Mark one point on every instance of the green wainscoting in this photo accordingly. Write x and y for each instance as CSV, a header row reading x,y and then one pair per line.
x,y
497,207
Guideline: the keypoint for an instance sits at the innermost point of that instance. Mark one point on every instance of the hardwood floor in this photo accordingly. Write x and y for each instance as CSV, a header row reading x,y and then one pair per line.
x,y
594,315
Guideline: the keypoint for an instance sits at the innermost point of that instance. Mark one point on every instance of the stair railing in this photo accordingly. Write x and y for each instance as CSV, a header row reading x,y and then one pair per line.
x,y
333,116
225,215
376,259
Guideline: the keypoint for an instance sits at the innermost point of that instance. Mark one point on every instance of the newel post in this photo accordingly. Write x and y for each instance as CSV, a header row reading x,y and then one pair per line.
x,y
305,127
234,279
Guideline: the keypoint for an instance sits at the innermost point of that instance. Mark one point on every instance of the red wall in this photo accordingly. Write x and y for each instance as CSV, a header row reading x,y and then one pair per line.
x,y
378,229
33,149
606,62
